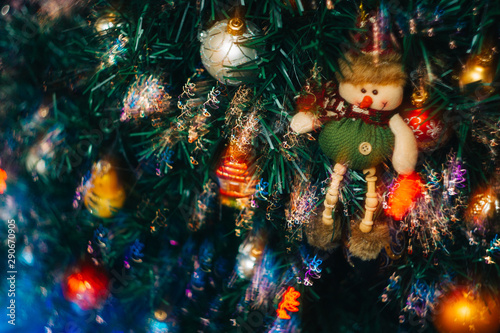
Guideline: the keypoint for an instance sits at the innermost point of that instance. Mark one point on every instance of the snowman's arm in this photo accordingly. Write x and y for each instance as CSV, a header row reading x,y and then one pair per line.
x,y
405,153
304,122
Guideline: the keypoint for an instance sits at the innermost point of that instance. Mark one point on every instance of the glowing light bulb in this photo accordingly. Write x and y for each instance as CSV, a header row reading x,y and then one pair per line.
x,y
463,311
475,71
466,310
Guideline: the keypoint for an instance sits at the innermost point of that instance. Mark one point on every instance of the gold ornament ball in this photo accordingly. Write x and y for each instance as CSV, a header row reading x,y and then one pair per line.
x,y
222,48
105,22
482,207
104,193
463,311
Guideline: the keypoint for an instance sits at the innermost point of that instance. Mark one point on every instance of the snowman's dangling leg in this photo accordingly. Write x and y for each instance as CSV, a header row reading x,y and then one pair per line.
x,y
332,195
371,202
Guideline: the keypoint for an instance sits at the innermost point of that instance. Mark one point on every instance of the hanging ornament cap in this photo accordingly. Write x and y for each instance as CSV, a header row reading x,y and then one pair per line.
x,y
419,97
236,26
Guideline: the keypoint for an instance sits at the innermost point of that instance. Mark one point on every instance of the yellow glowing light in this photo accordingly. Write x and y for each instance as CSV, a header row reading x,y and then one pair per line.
x,y
43,111
463,310
161,315
475,71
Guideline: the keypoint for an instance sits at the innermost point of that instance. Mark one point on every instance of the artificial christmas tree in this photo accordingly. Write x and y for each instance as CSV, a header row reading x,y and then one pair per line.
x,y
168,165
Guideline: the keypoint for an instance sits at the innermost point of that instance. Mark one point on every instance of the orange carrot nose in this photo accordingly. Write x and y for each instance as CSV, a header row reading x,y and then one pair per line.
x,y
366,102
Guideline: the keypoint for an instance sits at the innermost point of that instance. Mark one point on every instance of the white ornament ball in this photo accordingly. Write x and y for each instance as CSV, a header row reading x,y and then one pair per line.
x,y
222,50
36,163
245,264
41,155
249,252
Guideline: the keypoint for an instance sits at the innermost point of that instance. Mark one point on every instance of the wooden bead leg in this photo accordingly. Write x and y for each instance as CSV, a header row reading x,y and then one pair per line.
x,y
332,195
371,201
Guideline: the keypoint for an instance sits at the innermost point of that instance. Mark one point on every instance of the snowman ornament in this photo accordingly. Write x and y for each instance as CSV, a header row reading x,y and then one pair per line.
x,y
361,127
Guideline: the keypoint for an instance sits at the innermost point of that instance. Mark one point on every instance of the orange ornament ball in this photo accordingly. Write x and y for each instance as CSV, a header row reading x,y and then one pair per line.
x,y
104,193
463,311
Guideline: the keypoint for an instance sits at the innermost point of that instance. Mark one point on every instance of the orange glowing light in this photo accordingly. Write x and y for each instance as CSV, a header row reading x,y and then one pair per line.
x,y
403,194
289,302
3,177
463,311
77,285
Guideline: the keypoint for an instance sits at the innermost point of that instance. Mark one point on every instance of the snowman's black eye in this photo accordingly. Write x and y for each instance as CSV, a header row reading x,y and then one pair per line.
x,y
375,92
363,90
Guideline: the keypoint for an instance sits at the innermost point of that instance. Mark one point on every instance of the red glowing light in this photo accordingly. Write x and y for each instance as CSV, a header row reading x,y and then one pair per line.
x,y
403,194
3,177
87,288
289,302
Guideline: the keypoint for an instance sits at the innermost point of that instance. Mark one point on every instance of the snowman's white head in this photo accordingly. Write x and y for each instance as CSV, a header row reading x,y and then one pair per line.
x,y
374,96
372,85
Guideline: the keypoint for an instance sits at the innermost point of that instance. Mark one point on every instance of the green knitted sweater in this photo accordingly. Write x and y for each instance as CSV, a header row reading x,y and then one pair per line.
x,y
340,140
